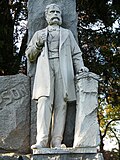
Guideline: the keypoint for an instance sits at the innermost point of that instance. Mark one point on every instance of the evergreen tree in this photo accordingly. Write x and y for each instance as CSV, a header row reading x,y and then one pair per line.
x,y
12,13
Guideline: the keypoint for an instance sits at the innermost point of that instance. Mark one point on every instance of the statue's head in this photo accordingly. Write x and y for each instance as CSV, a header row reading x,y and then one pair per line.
x,y
53,14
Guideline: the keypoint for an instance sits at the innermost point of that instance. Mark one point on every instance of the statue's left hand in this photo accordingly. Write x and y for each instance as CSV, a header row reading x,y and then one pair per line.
x,y
84,69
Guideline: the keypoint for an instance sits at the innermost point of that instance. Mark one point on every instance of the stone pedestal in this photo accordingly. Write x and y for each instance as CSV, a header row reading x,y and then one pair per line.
x,y
86,125
67,154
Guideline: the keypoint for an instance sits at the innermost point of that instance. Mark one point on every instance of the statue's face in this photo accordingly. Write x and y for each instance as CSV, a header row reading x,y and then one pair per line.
x,y
53,16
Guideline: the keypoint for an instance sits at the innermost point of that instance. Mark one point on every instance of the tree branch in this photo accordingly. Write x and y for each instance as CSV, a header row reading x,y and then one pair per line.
x,y
108,126
115,135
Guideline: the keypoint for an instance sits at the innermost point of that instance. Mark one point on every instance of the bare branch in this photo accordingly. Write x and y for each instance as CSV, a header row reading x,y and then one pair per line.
x,y
115,135
108,126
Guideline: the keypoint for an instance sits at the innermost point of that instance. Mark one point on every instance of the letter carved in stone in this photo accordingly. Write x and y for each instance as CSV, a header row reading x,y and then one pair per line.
x,y
15,93
7,97
23,90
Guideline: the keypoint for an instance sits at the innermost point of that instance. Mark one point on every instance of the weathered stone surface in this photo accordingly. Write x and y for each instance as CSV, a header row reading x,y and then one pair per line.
x,y
69,157
68,136
36,21
86,127
8,158
33,118
67,154
14,157
65,150
14,113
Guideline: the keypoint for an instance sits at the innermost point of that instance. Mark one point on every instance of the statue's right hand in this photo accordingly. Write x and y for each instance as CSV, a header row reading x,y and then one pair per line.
x,y
40,43
43,37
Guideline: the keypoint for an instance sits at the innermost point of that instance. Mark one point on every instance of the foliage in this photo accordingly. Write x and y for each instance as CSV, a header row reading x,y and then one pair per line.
x,y
100,41
12,13
111,155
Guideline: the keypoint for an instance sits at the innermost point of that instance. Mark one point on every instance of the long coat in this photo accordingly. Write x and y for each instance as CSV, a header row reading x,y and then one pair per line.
x,y
70,62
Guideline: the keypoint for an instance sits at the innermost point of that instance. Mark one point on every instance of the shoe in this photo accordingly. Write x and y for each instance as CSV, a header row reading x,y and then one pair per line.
x,y
56,144
60,146
37,146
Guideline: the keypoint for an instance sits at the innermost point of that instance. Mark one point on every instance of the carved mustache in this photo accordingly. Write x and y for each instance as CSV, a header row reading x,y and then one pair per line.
x,y
55,18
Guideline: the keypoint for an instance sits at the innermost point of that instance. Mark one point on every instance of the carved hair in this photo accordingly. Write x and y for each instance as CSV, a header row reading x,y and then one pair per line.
x,y
51,5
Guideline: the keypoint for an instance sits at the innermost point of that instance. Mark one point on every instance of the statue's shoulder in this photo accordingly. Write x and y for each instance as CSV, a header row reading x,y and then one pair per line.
x,y
66,30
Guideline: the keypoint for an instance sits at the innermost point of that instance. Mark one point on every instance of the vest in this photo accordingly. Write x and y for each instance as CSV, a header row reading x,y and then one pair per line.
x,y
53,44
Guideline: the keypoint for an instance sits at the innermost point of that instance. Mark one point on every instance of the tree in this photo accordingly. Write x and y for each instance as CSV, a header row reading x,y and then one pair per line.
x,y
12,13
99,41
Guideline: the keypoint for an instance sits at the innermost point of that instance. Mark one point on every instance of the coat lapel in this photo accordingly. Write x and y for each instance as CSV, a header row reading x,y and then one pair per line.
x,y
45,43
63,37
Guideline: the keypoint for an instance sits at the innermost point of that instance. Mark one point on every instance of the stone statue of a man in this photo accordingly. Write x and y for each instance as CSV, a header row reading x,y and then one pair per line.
x,y
58,57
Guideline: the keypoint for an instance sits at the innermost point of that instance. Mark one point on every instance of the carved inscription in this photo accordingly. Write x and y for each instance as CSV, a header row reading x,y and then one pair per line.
x,y
10,95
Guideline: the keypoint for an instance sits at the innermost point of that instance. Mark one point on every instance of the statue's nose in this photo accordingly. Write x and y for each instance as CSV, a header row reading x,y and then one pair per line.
x,y
55,13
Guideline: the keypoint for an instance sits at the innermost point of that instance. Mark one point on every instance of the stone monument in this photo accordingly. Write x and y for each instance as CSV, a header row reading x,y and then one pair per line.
x,y
56,52
86,126
36,21
14,114
58,57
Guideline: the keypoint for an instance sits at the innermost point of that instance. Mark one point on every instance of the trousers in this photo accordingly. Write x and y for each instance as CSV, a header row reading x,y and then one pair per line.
x,y
51,111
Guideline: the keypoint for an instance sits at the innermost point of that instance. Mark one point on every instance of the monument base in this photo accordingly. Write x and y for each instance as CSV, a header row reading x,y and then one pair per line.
x,y
66,154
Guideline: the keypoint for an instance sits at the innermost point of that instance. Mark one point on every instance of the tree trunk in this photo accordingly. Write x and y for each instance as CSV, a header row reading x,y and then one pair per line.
x,y
6,39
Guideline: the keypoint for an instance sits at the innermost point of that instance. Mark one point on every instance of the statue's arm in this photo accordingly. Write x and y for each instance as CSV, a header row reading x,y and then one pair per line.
x,y
77,56
34,47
